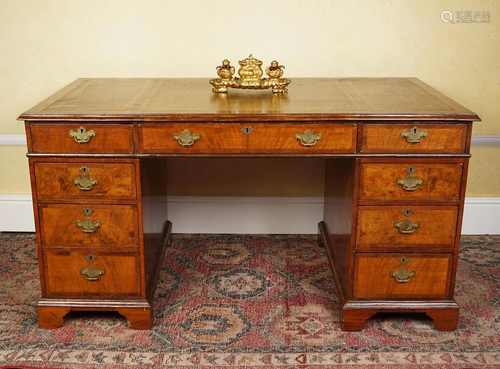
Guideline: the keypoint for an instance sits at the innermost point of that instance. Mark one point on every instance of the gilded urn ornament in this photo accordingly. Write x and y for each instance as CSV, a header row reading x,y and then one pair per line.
x,y
250,73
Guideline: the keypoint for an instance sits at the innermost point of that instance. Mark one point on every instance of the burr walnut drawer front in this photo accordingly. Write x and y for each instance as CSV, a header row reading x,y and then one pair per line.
x,y
85,180
414,138
387,276
410,181
88,225
406,226
81,138
252,137
84,274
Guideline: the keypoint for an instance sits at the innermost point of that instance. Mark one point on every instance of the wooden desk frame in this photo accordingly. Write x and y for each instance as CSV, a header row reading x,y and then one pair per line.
x,y
379,229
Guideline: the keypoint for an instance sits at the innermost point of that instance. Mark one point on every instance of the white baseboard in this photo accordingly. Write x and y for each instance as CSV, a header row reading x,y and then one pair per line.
x,y
16,140
247,215
257,215
481,215
16,213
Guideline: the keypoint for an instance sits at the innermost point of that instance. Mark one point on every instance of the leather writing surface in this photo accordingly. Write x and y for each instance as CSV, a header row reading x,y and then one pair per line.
x,y
342,98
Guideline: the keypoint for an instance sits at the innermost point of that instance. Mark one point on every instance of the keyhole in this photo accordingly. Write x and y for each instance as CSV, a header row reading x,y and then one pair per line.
x,y
87,211
404,260
91,258
411,170
247,130
81,129
415,129
84,170
407,212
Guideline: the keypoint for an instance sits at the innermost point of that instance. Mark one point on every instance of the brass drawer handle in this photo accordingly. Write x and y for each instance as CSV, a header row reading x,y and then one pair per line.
x,y
186,139
92,273
414,136
410,183
406,226
402,275
81,135
88,225
308,138
84,183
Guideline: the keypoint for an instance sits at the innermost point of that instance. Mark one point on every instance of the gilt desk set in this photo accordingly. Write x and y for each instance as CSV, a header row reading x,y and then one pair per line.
x,y
396,154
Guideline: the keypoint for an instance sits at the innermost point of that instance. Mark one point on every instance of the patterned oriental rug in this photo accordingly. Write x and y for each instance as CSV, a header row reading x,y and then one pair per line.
x,y
250,301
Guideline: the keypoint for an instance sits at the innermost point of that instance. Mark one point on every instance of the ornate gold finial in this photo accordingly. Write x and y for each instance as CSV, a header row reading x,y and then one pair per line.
x,y
250,73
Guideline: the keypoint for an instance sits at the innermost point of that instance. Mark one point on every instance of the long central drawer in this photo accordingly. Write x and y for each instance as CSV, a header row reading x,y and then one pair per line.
x,y
199,138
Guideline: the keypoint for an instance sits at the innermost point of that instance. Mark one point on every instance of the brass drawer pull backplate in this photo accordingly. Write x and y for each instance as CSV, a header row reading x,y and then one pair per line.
x,y
406,226
84,183
308,138
92,273
88,225
186,138
402,275
81,135
414,135
410,183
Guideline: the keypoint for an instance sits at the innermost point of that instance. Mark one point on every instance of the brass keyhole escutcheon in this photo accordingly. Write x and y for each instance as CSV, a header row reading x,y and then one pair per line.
x,y
247,130
91,258
411,170
404,260
407,212
87,211
81,135
85,183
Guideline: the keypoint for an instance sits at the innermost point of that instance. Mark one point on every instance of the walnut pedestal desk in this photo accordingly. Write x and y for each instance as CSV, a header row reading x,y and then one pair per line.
x,y
395,152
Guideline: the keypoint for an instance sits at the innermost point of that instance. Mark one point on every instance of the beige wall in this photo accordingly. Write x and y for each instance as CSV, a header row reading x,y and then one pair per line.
x,y
44,45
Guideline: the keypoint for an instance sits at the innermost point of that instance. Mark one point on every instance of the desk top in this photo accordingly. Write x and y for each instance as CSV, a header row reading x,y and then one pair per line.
x,y
192,99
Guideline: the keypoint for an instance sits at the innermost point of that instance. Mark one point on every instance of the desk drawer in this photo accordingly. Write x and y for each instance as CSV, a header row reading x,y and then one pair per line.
x,y
89,225
192,138
410,181
82,275
85,180
388,276
82,138
406,226
414,138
